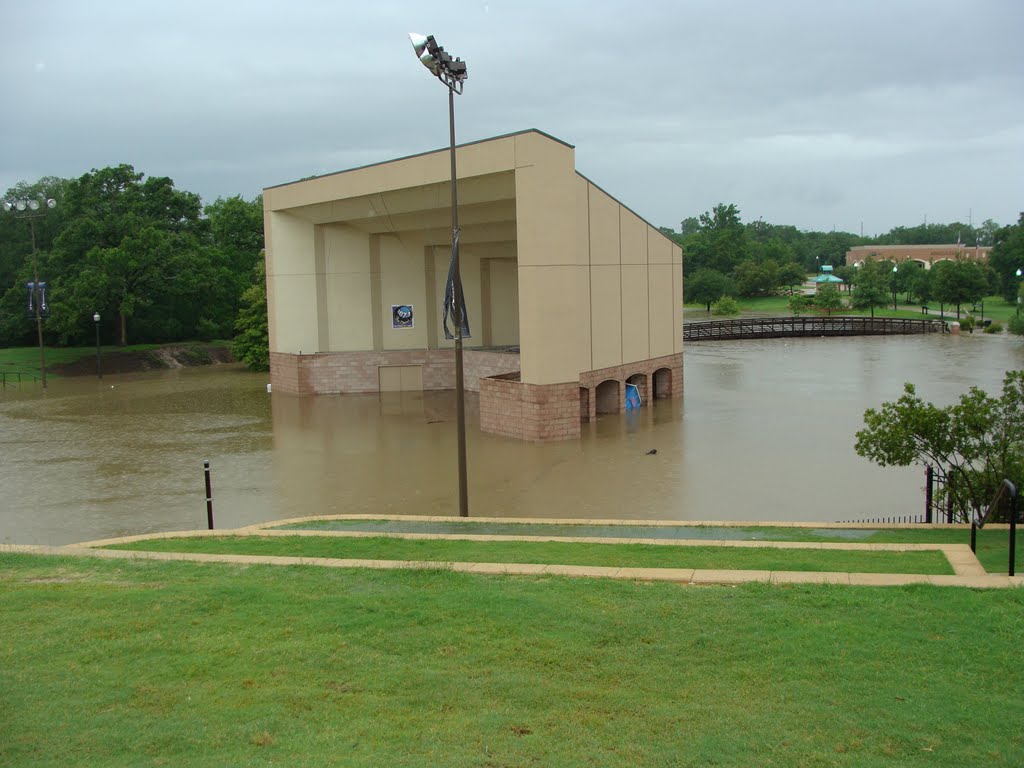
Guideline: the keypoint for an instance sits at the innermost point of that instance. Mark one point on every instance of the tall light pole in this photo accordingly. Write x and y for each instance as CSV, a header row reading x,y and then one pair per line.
x,y
451,72
96,320
1018,292
895,269
30,210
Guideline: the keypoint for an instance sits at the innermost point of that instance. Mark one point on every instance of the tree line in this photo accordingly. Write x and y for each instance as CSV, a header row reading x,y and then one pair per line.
x,y
151,259
160,266
725,256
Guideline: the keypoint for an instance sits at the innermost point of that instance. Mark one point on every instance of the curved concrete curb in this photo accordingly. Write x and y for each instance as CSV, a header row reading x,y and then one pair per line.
x,y
678,576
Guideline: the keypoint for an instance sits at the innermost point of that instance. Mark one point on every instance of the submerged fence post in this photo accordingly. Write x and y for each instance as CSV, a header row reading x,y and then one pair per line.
x,y
209,495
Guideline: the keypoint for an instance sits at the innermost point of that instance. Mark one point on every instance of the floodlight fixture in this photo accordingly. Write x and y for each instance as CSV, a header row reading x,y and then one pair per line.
x,y
20,205
450,71
33,204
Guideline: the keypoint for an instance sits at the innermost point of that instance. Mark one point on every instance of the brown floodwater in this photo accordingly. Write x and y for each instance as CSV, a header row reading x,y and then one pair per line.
x,y
765,432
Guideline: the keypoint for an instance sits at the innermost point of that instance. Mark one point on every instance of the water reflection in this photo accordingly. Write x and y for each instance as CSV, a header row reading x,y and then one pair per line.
x,y
765,431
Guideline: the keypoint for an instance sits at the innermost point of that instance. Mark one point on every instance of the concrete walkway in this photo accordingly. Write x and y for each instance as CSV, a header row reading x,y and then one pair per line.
x,y
968,572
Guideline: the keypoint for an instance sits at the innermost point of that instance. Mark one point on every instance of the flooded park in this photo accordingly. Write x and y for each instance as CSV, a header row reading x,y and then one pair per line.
x,y
765,431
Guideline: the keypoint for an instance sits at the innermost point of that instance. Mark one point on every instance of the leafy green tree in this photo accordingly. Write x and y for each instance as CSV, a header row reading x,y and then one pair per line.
x,y
1007,257
791,274
707,286
979,441
725,307
251,344
870,288
799,303
848,274
130,243
828,299
957,282
720,243
756,278
921,285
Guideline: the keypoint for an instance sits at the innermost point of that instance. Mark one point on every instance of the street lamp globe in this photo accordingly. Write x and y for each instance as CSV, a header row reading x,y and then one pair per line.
x,y
96,317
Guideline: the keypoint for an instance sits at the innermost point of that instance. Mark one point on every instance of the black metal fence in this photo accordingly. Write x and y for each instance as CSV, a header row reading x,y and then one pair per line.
x,y
782,327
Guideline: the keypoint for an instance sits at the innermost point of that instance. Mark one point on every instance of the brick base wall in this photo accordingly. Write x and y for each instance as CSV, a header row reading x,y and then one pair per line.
x,y
508,406
336,372
511,408
544,412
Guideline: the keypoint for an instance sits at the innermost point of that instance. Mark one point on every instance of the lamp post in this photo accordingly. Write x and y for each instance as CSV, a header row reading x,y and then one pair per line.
x,y
1018,292
452,73
30,210
96,320
895,269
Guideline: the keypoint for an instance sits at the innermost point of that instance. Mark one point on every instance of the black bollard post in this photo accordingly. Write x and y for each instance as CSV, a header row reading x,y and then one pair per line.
x,y
209,496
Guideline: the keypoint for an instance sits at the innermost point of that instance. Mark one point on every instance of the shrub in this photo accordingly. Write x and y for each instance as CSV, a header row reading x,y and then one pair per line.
x,y
994,328
1016,325
725,306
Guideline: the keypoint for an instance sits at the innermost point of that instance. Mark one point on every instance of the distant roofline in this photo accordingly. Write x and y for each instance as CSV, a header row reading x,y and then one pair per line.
x,y
424,154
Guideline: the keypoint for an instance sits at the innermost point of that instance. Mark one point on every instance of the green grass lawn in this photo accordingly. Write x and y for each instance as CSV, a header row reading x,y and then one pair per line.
x,y
26,359
993,545
122,663
613,555
996,308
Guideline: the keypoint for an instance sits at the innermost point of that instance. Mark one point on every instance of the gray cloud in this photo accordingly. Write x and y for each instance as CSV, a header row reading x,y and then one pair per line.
x,y
818,114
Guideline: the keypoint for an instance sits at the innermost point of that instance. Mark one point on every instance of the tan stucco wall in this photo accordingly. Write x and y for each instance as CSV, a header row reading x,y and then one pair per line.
x,y
349,289
549,261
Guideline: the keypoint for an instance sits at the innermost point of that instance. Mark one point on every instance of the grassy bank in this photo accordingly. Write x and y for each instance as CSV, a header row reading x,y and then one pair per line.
x,y
993,544
996,308
144,663
613,555
83,359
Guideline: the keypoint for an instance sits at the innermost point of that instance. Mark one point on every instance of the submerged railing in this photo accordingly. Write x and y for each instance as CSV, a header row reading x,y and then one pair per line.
x,y
12,377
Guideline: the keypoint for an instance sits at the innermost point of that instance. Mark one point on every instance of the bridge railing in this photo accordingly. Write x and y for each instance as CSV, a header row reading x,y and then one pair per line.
x,y
777,327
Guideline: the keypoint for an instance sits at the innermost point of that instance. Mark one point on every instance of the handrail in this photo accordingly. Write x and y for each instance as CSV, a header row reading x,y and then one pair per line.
x,y
5,374
832,325
978,521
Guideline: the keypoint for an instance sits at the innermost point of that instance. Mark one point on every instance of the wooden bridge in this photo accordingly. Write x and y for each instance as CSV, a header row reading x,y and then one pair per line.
x,y
784,327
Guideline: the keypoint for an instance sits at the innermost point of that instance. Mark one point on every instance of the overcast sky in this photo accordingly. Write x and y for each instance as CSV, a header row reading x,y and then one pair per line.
x,y
819,114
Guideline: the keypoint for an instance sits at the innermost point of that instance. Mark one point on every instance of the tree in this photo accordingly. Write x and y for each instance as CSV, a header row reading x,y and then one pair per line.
x,y
129,243
707,286
978,441
921,285
957,282
756,279
798,303
720,243
827,298
251,344
1007,257
791,274
870,288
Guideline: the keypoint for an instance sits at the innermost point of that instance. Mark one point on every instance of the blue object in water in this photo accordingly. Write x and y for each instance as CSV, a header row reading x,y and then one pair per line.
x,y
632,397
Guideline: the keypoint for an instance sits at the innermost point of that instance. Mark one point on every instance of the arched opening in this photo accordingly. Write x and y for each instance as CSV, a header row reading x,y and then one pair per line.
x,y
639,380
608,397
663,383
584,404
